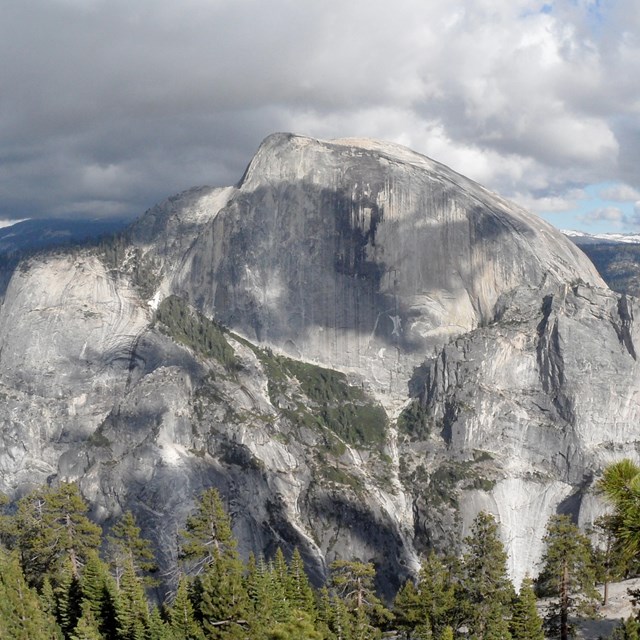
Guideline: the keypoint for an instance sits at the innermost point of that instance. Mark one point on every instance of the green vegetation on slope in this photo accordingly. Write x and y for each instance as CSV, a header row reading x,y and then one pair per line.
x,y
414,422
119,255
334,403
190,328
309,395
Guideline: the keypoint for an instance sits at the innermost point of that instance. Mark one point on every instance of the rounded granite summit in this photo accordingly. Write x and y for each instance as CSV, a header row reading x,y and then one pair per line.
x,y
366,256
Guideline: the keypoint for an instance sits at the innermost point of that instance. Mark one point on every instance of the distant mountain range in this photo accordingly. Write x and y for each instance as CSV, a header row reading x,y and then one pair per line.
x,y
581,238
27,236
615,255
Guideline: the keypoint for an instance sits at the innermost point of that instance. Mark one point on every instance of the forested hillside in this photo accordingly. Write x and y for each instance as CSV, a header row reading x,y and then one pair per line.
x,y
61,577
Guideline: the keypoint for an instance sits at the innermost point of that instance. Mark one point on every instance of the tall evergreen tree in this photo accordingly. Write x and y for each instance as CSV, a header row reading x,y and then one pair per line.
x,y
567,574
182,620
157,629
611,560
127,544
425,609
52,528
267,596
299,626
407,609
87,627
353,583
300,593
132,607
325,613
526,623
99,592
225,607
437,591
68,594
21,614
342,622
486,591
207,534
48,598
278,583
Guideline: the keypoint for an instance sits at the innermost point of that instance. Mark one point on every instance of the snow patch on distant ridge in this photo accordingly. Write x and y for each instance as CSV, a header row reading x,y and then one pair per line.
x,y
580,237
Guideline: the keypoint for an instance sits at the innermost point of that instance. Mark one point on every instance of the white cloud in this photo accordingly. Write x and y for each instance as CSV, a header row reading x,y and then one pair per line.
x,y
620,193
120,102
551,203
611,215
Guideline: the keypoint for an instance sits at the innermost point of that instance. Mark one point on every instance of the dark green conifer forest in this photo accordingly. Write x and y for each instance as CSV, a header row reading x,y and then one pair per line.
x,y
61,578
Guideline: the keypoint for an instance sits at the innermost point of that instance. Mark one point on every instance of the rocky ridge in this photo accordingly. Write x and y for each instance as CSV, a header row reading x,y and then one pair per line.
x,y
359,347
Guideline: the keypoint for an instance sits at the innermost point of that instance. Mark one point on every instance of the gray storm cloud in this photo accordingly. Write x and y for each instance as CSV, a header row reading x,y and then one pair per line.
x,y
108,106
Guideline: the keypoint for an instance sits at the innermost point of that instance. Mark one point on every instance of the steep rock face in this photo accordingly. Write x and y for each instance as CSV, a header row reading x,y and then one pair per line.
x,y
68,331
356,255
544,397
365,256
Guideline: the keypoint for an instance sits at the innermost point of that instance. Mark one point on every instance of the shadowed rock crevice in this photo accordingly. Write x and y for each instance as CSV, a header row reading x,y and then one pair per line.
x,y
623,329
551,361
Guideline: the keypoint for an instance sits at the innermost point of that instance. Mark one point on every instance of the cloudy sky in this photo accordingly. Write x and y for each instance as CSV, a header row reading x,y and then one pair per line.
x,y
108,106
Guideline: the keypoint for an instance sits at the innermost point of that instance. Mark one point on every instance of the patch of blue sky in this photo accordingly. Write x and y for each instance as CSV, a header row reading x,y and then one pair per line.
x,y
606,207
543,7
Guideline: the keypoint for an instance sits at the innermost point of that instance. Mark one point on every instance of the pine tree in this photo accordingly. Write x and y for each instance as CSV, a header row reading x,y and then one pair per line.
x,y
21,614
99,592
52,528
225,607
526,623
68,594
181,615
342,623
251,576
264,599
486,590
87,627
300,593
280,587
132,607
207,533
209,549
127,544
407,608
437,594
325,612
567,573
353,583
611,560
157,629
8,531
48,598
300,626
